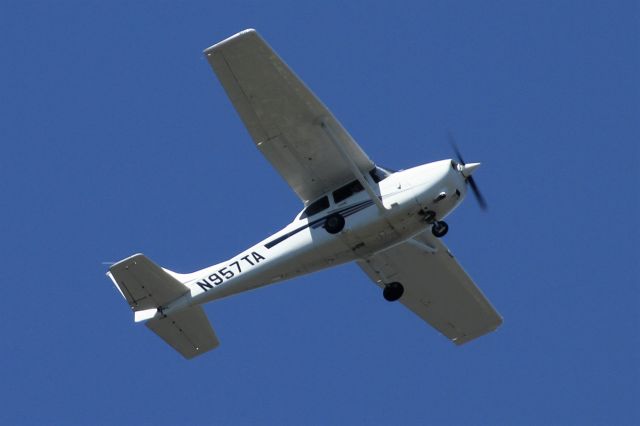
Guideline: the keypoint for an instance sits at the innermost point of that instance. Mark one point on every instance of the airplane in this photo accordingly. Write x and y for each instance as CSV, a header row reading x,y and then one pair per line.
x,y
388,222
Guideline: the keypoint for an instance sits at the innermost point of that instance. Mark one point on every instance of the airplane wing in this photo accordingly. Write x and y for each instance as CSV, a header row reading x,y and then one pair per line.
x,y
284,117
436,288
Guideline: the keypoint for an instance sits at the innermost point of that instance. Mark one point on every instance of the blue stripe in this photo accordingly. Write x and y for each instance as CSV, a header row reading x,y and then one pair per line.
x,y
317,223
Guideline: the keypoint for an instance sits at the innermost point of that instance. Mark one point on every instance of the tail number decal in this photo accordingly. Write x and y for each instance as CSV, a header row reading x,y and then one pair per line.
x,y
230,271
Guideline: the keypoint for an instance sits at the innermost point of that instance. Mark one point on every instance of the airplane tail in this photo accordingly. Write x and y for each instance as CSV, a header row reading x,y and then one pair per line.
x,y
148,289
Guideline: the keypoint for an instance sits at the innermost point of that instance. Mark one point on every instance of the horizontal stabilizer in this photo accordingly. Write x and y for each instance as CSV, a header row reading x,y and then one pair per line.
x,y
144,284
148,289
188,331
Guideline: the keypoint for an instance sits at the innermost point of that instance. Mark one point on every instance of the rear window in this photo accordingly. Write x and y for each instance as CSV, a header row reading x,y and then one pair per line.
x,y
315,207
347,191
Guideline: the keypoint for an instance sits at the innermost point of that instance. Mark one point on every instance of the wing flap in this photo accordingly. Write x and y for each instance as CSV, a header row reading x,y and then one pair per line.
x,y
437,289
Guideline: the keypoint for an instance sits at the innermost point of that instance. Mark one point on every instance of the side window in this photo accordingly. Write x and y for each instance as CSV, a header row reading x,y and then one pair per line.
x,y
315,207
347,191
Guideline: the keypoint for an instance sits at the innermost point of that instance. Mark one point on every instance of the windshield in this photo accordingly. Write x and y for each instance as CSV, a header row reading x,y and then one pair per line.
x,y
315,207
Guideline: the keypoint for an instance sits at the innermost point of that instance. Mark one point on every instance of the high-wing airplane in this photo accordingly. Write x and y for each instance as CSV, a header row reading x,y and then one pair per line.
x,y
388,222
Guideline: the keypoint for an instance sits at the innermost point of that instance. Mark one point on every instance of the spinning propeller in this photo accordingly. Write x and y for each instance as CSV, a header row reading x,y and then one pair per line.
x,y
467,170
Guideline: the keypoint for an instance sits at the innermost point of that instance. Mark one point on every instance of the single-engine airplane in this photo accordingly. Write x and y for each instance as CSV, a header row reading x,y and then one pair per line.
x,y
389,222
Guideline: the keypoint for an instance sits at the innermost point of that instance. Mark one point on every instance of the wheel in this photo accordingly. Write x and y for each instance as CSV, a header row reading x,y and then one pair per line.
x,y
334,223
440,229
393,291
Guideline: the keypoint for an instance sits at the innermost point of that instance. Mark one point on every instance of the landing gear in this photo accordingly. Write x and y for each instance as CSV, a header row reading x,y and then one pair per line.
x,y
439,228
429,216
393,291
334,223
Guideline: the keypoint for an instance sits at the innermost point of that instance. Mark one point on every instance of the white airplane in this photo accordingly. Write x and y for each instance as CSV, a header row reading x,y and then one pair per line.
x,y
388,222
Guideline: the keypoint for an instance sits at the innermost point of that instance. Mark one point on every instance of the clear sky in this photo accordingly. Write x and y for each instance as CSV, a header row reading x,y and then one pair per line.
x,y
117,138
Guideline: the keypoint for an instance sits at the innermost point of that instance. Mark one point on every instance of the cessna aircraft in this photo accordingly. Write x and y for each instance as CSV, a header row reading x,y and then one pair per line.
x,y
388,222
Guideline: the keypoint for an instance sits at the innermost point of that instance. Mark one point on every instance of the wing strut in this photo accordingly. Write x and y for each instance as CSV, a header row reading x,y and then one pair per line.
x,y
354,167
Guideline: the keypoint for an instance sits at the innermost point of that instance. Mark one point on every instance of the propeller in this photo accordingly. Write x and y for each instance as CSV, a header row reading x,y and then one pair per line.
x,y
469,179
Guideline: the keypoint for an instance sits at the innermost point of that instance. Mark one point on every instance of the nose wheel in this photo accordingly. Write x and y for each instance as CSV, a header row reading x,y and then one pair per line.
x,y
439,228
393,291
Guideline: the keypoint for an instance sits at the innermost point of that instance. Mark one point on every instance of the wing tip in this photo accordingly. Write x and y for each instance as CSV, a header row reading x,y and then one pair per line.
x,y
115,265
242,34
490,328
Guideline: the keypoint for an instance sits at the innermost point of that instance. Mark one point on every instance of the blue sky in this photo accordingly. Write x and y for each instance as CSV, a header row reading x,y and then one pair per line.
x,y
117,138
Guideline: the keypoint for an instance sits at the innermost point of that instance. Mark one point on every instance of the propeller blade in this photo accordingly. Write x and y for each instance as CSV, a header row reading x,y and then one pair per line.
x,y
481,201
453,144
468,178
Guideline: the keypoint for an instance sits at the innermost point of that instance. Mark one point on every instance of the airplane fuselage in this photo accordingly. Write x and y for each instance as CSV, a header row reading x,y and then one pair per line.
x,y
305,246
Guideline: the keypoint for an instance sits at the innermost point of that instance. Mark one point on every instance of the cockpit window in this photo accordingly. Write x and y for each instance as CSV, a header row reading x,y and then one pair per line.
x,y
347,191
379,174
315,207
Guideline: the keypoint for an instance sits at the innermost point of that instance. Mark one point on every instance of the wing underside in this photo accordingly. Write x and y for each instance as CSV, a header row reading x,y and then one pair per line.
x,y
284,118
437,289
